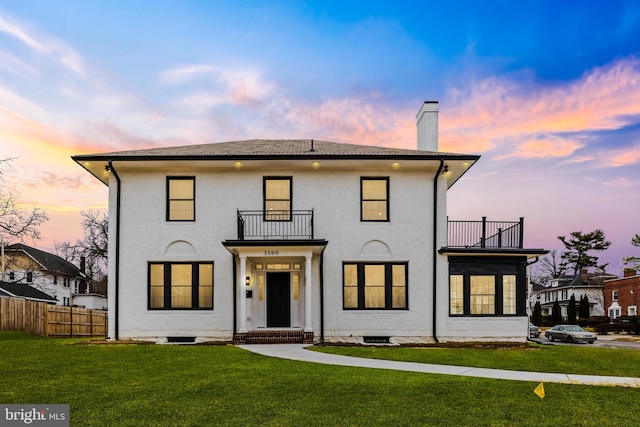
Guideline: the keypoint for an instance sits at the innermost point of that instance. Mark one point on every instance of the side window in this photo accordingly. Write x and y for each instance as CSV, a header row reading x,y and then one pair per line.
x,y
473,292
375,286
277,198
180,285
181,203
374,199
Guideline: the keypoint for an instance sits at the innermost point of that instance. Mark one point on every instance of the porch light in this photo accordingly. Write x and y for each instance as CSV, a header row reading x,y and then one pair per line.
x,y
248,281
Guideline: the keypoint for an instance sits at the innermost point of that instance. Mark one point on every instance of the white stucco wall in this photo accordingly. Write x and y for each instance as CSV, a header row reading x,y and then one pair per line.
x,y
334,195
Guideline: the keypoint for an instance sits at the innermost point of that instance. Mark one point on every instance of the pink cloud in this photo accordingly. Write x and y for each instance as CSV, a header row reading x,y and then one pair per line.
x,y
511,116
546,147
623,158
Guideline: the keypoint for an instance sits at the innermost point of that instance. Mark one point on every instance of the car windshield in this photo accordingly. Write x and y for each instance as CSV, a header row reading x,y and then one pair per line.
x,y
574,328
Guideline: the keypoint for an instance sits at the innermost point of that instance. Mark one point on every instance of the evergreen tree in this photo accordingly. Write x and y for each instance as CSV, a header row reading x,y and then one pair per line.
x,y
571,310
584,307
537,314
556,313
578,246
632,263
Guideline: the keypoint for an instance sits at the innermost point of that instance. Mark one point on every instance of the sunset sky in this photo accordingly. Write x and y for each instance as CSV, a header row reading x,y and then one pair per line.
x,y
548,93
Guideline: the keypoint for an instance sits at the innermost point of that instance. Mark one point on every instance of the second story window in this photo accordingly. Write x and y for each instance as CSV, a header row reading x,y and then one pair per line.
x,y
614,295
181,195
374,199
277,198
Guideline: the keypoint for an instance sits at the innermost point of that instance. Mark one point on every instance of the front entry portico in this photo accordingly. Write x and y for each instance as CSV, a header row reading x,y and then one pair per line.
x,y
274,289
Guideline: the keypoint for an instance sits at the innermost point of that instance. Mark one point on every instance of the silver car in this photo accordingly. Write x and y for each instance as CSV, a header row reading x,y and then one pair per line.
x,y
570,333
534,331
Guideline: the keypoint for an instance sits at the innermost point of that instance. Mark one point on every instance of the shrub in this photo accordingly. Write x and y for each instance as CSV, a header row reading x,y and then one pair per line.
x,y
617,328
596,320
547,321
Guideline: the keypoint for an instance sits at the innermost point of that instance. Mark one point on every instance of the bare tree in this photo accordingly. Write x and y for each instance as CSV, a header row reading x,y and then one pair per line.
x,y
15,221
92,247
551,266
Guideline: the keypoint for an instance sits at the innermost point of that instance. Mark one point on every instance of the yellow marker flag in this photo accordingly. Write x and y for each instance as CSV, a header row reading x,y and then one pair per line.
x,y
539,391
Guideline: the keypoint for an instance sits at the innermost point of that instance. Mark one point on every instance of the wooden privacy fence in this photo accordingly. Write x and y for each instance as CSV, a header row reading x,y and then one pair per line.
x,y
47,320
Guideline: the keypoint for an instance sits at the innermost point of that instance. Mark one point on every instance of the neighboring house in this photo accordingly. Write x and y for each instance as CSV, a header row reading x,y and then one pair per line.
x,y
533,296
316,240
562,288
621,295
14,290
48,273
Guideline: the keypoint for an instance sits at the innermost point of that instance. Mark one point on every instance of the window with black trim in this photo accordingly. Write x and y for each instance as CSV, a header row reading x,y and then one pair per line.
x,y
181,198
487,287
374,286
374,198
277,198
180,285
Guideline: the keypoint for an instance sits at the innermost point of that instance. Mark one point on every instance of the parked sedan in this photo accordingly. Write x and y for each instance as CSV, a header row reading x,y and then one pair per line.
x,y
534,331
570,333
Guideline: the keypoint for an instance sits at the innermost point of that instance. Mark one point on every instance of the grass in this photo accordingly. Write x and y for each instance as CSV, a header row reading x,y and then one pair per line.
x,y
147,385
585,360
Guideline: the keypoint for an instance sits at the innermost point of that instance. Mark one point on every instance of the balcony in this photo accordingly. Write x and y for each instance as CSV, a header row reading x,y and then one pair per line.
x,y
485,234
275,225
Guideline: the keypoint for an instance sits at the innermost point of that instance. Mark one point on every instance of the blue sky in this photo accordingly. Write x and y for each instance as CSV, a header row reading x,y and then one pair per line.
x,y
548,93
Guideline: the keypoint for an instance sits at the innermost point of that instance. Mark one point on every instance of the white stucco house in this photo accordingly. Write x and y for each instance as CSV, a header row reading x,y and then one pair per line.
x,y
49,273
316,241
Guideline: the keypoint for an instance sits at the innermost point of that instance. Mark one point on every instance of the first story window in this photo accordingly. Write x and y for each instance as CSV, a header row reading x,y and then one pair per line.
x,y
486,287
181,285
478,294
483,294
509,294
375,285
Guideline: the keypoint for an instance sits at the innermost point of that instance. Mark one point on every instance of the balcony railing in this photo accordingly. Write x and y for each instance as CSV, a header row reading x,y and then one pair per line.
x,y
485,234
275,225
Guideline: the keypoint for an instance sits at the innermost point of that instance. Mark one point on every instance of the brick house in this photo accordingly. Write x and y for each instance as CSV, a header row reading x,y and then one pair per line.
x,y
621,295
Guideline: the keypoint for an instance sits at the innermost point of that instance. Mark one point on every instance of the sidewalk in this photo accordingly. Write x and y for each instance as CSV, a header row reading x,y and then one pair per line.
x,y
300,353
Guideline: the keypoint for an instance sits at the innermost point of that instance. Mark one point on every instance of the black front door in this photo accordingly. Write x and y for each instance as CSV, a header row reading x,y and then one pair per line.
x,y
278,300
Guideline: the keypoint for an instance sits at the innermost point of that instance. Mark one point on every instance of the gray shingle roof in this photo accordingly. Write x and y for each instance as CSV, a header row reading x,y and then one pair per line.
x,y
271,147
49,261
24,291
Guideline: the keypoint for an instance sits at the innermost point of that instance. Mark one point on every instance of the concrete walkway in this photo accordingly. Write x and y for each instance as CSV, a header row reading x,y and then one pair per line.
x,y
300,353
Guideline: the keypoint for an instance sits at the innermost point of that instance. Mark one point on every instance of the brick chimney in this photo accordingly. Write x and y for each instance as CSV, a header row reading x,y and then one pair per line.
x,y
629,272
427,124
584,274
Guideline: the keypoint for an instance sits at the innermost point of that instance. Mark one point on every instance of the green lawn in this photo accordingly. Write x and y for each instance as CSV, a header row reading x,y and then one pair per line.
x,y
579,359
148,385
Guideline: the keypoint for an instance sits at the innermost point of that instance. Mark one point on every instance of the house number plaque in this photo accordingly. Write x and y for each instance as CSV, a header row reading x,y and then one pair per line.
x,y
271,253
